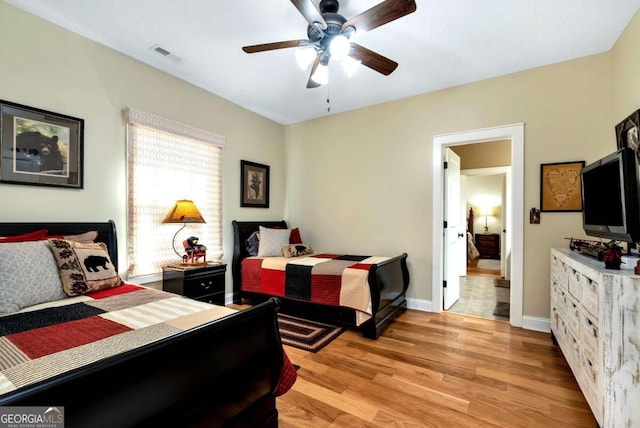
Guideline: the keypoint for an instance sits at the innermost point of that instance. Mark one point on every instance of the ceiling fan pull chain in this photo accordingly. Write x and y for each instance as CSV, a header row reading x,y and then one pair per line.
x,y
328,99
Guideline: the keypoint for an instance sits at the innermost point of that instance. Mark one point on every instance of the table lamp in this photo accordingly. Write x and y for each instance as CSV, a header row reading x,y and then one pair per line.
x,y
184,211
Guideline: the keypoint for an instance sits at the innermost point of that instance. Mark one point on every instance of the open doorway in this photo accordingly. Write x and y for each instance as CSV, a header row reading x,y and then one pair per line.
x,y
485,284
514,224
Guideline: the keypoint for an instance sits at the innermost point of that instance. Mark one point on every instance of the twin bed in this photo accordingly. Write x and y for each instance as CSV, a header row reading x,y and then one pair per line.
x,y
129,355
350,290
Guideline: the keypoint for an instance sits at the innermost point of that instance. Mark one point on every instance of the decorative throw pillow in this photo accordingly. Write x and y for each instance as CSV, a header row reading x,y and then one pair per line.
x,y
295,237
271,241
84,268
31,236
252,244
295,250
28,276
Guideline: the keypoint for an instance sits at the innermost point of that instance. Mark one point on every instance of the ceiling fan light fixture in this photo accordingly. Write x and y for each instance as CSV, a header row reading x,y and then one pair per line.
x,y
350,65
305,56
339,47
321,75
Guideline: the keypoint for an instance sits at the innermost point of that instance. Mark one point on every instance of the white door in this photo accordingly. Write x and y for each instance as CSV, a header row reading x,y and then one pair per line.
x,y
454,236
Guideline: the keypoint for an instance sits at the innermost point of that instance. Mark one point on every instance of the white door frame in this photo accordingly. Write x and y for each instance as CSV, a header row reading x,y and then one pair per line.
x,y
515,133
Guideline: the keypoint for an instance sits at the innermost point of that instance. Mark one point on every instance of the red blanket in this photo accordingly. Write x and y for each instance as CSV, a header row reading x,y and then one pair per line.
x,y
328,279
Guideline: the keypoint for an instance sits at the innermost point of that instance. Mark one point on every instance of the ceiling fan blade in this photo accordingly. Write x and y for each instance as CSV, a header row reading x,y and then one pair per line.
x,y
373,60
312,83
275,45
382,13
310,12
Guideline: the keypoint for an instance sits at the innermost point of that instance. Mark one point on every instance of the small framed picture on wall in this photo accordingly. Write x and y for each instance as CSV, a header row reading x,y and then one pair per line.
x,y
254,184
561,186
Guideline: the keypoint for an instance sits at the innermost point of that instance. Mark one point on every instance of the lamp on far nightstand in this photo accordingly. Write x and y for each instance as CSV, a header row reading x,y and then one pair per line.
x,y
486,212
184,211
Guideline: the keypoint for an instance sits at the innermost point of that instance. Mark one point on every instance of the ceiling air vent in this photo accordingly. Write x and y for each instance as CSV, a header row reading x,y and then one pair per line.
x,y
165,53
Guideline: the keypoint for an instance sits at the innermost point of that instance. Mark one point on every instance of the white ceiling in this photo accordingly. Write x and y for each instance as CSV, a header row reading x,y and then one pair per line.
x,y
443,44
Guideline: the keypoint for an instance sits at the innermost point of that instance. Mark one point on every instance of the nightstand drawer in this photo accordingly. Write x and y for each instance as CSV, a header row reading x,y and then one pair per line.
x,y
201,285
488,245
204,283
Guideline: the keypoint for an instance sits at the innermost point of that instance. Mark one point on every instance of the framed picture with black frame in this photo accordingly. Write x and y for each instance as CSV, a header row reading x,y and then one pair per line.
x,y
39,147
561,186
254,184
628,132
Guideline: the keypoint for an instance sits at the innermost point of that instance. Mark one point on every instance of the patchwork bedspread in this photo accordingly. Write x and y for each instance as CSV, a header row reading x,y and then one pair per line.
x,y
49,339
329,279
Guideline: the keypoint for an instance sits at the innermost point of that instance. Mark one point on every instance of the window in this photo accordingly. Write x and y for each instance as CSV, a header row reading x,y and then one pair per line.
x,y
168,161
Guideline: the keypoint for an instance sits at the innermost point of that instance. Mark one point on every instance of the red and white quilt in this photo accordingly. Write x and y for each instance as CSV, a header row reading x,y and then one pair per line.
x,y
52,338
329,279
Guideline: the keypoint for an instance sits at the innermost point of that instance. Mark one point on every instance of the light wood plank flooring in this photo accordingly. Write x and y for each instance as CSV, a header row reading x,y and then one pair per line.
x,y
435,370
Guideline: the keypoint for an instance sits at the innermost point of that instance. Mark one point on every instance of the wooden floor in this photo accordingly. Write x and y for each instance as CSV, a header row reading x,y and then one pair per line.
x,y
435,370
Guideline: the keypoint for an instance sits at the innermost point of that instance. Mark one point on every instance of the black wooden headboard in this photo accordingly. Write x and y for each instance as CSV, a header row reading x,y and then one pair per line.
x,y
106,232
241,231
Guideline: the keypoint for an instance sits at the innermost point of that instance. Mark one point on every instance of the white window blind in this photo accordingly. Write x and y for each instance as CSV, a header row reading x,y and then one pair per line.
x,y
168,161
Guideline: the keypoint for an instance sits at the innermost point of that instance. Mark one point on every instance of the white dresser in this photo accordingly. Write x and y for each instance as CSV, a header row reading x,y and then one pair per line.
x,y
595,319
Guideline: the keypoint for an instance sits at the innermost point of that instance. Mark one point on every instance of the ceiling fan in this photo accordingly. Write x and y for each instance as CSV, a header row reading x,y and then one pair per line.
x,y
329,34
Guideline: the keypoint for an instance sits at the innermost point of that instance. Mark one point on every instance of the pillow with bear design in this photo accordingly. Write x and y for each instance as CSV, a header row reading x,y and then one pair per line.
x,y
84,268
296,250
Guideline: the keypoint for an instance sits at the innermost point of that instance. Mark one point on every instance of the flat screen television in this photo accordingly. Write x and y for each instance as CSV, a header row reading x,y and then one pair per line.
x,y
610,199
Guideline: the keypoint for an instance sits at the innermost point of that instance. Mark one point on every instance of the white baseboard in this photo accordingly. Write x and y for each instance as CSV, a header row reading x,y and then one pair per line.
x,y
536,324
419,304
528,323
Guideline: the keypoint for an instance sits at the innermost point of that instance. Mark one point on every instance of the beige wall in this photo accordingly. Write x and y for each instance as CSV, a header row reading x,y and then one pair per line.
x,y
47,67
625,58
361,181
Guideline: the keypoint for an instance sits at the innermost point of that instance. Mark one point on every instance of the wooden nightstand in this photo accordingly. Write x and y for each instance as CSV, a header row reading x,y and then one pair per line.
x,y
204,283
488,245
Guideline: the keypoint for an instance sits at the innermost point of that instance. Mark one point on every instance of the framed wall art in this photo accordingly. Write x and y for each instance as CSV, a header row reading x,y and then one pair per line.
x,y
254,184
39,147
561,186
628,131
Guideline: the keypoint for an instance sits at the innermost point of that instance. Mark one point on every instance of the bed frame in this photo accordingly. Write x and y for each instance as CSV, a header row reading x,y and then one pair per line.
x,y
388,282
207,376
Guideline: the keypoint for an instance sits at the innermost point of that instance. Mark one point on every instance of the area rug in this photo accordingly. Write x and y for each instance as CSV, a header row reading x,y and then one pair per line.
x,y
501,309
306,334
502,283
489,264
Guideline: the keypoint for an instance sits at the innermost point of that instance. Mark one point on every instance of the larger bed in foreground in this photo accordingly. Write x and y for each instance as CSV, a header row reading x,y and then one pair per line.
x,y
128,355
356,291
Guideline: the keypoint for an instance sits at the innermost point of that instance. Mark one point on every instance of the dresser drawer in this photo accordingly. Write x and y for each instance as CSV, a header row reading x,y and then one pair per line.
x,y
591,381
559,271
574,278
589,335
573,315
589,296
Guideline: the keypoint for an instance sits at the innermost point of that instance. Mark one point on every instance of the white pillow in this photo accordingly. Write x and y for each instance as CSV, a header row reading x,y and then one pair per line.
x,y
271,241
28,275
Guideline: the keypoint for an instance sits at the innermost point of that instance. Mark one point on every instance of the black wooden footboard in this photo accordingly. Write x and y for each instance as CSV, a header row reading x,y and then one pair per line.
x,y
212,375
388,282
